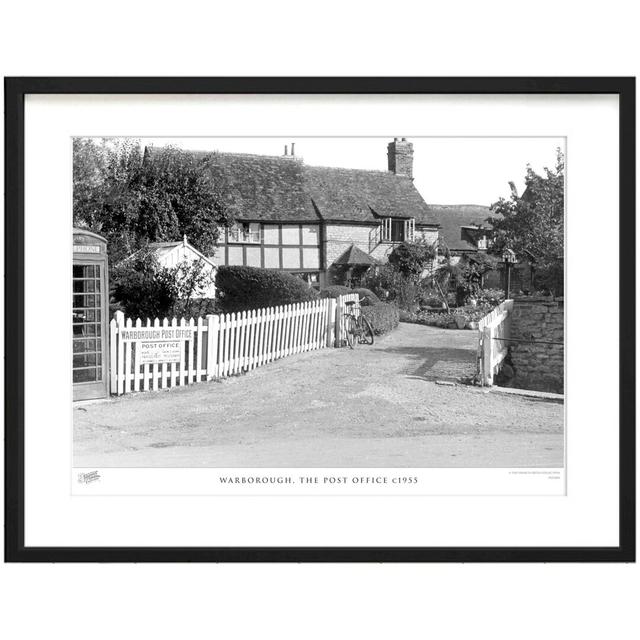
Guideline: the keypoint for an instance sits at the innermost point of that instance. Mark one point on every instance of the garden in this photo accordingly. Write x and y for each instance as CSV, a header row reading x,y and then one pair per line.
x,y
428,287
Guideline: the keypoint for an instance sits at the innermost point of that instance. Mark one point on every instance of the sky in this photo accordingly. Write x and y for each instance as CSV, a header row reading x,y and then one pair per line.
x,y
446,170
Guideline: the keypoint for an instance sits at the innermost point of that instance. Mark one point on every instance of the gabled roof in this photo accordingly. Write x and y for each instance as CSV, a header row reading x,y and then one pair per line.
x,y
355,256
454,217
163,249
356,195
284,189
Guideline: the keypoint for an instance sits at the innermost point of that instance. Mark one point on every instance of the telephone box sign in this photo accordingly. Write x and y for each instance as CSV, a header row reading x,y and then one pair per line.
x,y
157,333
86,248
161,351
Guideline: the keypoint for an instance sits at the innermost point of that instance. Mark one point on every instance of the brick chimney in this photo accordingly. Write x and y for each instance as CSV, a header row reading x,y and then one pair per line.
x,y
400,157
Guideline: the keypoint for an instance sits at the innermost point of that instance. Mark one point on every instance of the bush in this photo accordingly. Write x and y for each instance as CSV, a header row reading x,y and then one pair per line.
x,y
335,291
242,288
367,297
491,297
391,286
382,316
143,288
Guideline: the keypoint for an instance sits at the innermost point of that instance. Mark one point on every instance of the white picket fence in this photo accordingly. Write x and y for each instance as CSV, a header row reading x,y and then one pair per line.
x,y
218,345
493,344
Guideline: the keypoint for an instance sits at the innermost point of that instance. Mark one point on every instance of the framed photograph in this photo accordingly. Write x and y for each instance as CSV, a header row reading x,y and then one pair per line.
x,y
320,319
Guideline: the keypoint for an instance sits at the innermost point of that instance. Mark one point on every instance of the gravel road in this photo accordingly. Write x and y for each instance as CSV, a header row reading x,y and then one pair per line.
x,y
376,406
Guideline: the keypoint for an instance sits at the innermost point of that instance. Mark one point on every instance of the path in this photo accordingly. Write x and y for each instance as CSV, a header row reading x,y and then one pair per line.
x,y
375,406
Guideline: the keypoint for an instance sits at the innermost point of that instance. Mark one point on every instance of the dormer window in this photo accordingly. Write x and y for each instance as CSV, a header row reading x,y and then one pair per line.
x,y
245,232
397,230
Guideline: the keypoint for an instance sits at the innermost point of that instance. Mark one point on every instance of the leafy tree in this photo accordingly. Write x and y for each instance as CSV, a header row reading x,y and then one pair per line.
x,y
146,289
412,258
533,224
133,200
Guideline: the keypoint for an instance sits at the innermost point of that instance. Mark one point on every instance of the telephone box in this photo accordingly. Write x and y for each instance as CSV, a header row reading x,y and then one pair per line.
x,y
90,309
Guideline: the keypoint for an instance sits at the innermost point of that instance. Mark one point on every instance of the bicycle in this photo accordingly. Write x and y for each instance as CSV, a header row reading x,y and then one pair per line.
x,y
357,328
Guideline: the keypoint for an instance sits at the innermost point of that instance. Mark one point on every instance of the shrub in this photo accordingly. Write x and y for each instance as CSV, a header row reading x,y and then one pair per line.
x,y
382,316
412,258
335,291
242,288
367,297
491,297
391,286
144,288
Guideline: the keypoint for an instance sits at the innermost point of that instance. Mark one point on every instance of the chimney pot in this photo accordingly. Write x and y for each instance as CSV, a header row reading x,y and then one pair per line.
x,y
293,146
286,150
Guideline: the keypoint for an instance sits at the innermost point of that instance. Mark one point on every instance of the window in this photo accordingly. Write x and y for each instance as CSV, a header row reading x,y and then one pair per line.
x,y
246,232
397,229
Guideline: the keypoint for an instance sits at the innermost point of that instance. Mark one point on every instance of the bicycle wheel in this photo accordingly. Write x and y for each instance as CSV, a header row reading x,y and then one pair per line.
x,y
366,330
351,331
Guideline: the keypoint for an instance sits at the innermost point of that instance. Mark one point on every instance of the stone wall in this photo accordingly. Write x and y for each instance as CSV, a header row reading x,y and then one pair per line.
x,y
536,322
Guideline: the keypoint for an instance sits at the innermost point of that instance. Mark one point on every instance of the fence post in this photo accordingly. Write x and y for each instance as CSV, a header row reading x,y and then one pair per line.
x,y
119,318
113,336
213,328
487,363
331,322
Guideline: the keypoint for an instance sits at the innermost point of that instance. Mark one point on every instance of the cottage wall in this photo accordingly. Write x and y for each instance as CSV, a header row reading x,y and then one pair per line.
x,y
538,365
338,238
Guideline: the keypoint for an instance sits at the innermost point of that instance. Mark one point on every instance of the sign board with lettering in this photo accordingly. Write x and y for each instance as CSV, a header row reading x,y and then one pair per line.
x,y
160,351
86,248
157,333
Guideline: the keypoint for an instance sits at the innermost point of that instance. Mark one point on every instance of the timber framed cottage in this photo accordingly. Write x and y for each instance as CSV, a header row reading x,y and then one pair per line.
x,y
327,225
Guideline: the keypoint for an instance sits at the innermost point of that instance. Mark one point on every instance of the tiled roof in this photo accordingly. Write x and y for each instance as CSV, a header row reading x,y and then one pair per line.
x,y
284,189
452,219
353,255
364,196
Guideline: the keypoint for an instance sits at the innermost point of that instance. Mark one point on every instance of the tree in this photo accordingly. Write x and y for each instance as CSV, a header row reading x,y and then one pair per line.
x,y
146,289
532,225
412,258
133,200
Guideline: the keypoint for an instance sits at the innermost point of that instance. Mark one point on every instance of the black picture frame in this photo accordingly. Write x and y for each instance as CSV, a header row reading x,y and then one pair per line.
x,y
15,91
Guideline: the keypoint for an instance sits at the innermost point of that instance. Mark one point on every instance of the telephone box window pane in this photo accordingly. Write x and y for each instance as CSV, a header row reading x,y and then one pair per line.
x,y
309,234
290,258
84,286
311,258
89,330
84,271
86,346
86,360
85,375
86,315
290,234
271,234
271,258
253,257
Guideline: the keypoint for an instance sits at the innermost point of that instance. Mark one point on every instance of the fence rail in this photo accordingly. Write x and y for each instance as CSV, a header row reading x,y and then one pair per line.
x,y
494,331
176,353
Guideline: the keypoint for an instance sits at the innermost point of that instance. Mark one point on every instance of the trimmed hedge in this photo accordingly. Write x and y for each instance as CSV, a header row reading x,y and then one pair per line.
x,y
382,316
335,291
367,296
242,288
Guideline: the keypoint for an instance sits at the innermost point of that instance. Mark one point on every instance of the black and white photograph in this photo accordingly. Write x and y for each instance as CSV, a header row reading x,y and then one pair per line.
x,y
392,301
320,320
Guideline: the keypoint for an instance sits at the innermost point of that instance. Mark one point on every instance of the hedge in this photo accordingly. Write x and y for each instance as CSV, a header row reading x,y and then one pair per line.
x,y
242,288
367,296
335,291
382,316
